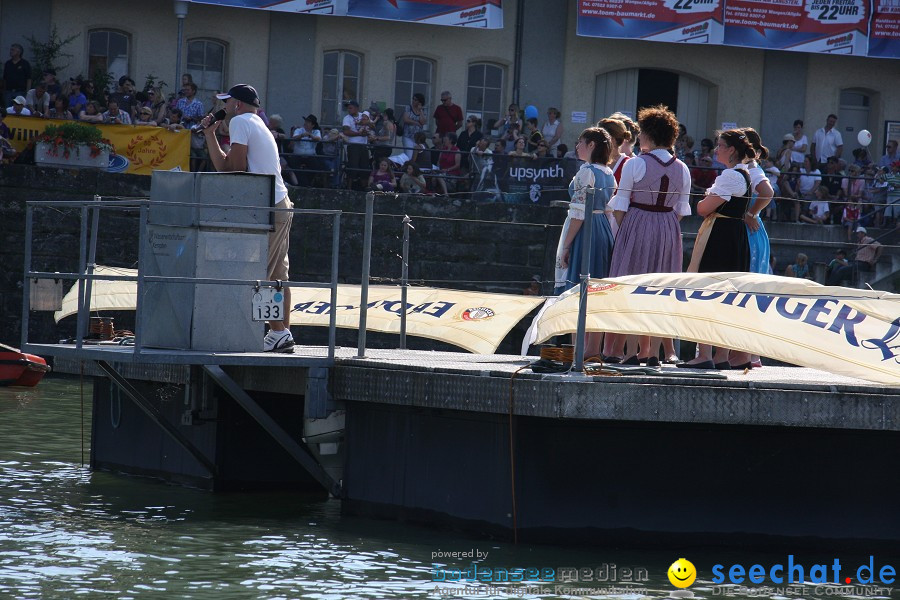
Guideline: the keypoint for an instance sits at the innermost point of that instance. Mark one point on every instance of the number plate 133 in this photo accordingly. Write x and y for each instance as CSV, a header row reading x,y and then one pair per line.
x,y
268,305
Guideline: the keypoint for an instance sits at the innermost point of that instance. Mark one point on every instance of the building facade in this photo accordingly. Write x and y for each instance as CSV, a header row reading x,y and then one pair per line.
x,y
305,64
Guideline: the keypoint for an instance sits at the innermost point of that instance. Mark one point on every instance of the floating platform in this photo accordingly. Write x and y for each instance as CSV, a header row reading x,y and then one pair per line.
x,y
476,442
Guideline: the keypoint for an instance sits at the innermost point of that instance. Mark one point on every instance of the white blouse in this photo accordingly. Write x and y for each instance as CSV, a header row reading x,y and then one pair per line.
x,y
583,181
634,170
757,175
729,183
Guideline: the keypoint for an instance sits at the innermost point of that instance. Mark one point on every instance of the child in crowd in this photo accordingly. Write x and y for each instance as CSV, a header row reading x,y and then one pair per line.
x,y
818,211
850,218
412,181
383,179
800,268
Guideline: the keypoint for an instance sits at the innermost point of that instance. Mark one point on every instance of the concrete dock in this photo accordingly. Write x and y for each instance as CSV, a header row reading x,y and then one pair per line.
x,y
456,439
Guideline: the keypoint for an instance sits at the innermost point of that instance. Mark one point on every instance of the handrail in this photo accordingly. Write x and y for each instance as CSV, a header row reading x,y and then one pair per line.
x,y
85,277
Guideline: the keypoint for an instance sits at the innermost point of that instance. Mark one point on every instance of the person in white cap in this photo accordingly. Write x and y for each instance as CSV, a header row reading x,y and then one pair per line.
x,y
18,107
253,149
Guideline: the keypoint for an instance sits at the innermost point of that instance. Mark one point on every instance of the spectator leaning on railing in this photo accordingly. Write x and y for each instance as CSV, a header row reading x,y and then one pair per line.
x,y
18,107
38,100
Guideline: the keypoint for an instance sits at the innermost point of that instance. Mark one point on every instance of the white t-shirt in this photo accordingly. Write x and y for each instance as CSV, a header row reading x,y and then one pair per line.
x,y
353,123
262,151
809,181
798,157
42,105
827,143
25,112
306,146
634,170
818,208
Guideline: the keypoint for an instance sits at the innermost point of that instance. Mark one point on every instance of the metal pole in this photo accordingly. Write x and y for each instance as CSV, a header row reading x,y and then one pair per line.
x,y
92,253
82,265
364,287
181,10
142,254
26,289
404,279
332,319
585,259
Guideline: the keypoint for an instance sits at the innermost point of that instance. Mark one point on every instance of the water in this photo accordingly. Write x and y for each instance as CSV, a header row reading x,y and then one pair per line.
x,y
66,532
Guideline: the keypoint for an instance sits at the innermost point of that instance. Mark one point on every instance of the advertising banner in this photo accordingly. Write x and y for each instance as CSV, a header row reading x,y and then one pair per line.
x,y
884,32
486,14
820,26
689,21
138,149
840,330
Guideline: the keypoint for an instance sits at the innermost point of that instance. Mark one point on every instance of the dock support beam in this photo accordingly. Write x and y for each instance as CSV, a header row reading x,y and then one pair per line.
x,y
294,448
156,416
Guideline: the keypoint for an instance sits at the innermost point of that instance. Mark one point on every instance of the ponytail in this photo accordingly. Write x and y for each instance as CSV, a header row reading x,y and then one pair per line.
x,y
761,151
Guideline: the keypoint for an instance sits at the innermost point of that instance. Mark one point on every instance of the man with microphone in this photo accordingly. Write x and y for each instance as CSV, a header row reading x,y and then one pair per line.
x,y
253,150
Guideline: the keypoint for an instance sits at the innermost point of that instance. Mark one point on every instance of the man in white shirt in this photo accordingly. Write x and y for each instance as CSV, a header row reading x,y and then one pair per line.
x,y
827,142
358,159
37,100
253,149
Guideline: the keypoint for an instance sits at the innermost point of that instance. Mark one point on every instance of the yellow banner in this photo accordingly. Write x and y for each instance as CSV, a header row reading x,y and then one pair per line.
x,y
840,330
139,149
475,321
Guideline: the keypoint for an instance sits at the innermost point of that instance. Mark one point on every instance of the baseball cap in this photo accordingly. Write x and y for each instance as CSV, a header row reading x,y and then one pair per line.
x,y
788,137
20,100
353,103
243,92
861,230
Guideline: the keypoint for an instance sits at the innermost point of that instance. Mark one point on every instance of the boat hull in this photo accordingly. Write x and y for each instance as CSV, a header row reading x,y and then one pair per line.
x,y
20,369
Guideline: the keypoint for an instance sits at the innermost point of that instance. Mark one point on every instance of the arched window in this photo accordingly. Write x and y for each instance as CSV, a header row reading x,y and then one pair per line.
x,y
484,93
341,74
206,65
411,75
109,52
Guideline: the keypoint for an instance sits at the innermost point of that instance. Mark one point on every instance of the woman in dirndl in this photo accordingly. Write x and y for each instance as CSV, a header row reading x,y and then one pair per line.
x,y
593,177
722,242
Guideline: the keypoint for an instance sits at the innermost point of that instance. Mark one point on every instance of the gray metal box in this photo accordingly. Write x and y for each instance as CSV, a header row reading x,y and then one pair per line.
x,y
247,192
204,242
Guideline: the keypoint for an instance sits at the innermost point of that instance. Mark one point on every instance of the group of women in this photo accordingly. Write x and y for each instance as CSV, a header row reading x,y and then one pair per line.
x,y
638,203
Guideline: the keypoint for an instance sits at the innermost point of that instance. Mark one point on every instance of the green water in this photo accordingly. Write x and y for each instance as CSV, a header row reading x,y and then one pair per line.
x,y
66,532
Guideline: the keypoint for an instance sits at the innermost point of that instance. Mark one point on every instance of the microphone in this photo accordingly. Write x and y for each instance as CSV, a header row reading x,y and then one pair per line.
x,y
216,117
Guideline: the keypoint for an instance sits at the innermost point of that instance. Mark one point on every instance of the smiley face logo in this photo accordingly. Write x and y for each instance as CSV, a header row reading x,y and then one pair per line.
x,y
682,573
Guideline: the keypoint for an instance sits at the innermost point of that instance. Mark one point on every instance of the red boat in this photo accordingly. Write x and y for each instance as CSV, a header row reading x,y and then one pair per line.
x,y
20,369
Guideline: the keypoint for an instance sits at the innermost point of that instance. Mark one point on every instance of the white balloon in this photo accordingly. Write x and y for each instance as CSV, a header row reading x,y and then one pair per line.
x,y
864,137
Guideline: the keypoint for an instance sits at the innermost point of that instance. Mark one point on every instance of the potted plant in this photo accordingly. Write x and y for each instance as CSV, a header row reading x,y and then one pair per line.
x,y
73,145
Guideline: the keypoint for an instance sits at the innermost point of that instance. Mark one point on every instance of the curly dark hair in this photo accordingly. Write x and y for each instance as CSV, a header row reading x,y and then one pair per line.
x,y
602,144
659,124
737,139
416,170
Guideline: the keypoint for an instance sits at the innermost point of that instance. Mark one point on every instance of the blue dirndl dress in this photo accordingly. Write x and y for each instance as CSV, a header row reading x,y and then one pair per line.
x,y
601,233
759,246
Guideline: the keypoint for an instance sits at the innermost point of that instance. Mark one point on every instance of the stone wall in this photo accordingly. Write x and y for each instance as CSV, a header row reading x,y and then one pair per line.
x,y
490,247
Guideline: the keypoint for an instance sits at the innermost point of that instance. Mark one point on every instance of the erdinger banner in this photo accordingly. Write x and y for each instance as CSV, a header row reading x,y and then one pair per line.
x,y
475,321
821,26
486,14
138,149
884,31
840,330
690,21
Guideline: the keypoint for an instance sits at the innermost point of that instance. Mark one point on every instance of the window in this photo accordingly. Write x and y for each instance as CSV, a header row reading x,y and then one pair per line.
x,y
341,73
206,65
484,93
108,52
412,75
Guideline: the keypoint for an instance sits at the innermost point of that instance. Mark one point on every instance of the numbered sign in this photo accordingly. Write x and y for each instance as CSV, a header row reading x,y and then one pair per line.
x,y
267,305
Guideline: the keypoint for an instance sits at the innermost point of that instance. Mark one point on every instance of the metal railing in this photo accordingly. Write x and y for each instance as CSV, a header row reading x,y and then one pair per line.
x,y
88,238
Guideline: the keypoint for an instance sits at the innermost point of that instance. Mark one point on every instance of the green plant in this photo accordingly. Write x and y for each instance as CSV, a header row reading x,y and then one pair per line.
x,y
67,136
45,55
102,81
150,81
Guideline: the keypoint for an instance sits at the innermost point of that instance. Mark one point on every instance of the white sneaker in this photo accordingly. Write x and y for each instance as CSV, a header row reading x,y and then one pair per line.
x,y
278,341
